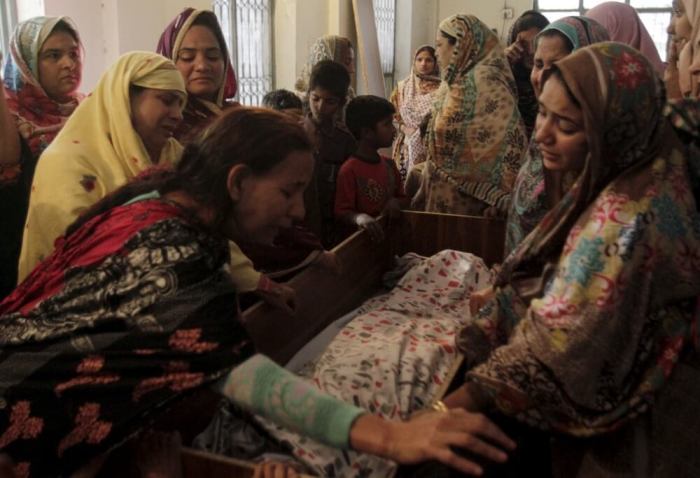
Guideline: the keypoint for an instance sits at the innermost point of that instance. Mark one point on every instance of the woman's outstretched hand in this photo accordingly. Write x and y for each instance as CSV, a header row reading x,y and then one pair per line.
x,y
432,436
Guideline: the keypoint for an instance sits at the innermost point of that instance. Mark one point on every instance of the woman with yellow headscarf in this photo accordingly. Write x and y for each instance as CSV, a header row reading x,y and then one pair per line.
x,y
123,128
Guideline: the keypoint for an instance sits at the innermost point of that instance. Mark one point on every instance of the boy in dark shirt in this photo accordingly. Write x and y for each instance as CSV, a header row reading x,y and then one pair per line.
x,y
328,87
369,184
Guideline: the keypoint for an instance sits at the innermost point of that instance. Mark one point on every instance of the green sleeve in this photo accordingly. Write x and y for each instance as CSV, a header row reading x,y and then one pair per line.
x,y
264,388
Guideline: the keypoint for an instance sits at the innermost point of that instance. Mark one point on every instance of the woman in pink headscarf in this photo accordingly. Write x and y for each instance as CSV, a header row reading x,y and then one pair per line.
x,y
624,25
195,43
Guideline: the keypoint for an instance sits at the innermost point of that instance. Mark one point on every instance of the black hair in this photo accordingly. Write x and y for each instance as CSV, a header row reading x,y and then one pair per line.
x,y
365,112
258,138
556,33
208,19
556,72
64,26
330,76
281,100
528,20
427,48
450,39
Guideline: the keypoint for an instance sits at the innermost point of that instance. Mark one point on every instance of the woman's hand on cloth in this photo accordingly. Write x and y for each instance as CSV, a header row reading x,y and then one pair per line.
x,y
271,469
480,298
433,436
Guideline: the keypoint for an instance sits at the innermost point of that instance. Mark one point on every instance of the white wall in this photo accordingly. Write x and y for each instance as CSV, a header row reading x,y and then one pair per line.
x,y
109,28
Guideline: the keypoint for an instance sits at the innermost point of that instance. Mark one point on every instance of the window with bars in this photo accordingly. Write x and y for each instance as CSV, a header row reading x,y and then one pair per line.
x,y
247,27
655,14
385,21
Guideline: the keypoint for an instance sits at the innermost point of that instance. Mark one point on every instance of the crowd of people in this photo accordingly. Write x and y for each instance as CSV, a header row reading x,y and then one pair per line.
x,y
137,218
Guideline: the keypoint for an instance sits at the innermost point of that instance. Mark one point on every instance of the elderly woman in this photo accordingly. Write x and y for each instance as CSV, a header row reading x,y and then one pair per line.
x,y
124,127
195,43
42,76
135,309
536,190
475,137
591,330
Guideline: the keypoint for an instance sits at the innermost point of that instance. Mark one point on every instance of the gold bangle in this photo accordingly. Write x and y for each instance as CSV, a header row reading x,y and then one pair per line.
x,y
439,406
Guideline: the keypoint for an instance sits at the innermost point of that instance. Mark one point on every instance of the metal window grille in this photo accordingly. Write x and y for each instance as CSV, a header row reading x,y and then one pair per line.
x,y
655,14
385,21
8,20
247,27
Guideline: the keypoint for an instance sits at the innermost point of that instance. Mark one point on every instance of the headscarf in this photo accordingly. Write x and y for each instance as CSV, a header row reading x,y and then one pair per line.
x,y
527,101
475,137
198,111
39,118
530,194
685,56
623,24
97,151
413,97
594,307
329,47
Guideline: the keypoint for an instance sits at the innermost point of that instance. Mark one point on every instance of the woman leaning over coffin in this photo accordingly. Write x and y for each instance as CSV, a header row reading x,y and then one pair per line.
x,y
592,327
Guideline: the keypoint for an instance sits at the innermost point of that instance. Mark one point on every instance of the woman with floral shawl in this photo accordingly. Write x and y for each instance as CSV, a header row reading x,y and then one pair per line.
x,y
99,150
136,309
535,190
413,98
592,329
41,78
207,60
475,137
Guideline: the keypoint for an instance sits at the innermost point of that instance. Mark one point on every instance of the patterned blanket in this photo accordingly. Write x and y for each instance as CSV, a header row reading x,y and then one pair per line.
x,y
395,357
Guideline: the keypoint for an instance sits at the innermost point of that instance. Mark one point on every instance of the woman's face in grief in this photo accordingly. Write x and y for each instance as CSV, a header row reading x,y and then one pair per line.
x,y
60,66
549,49
559,130
154,115
201,62
266,203
682,28
443,50
424,63
526,39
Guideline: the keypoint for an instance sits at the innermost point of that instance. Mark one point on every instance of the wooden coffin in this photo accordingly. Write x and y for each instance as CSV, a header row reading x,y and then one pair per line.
x,y
323,296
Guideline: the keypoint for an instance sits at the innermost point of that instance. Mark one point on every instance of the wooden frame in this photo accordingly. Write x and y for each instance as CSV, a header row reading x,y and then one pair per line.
x,y
324,296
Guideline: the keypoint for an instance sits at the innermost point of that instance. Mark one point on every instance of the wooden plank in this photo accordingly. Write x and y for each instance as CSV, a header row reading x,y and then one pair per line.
x,y
322,297
428,233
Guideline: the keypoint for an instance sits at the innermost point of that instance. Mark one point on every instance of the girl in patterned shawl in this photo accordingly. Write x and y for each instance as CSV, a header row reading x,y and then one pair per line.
x,y
135,309
41,78
195,43
124,127
413,98
592,329
475,137
537,190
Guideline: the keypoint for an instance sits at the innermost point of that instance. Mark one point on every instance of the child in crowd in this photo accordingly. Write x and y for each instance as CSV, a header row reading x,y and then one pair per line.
x,y
333,144
369,184
284,101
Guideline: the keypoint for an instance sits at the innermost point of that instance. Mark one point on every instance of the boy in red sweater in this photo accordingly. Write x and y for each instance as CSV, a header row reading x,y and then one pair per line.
x,y
369,185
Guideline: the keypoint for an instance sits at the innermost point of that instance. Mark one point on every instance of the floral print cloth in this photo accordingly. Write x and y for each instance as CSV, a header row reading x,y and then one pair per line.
x,y
476,138
394,357
594,309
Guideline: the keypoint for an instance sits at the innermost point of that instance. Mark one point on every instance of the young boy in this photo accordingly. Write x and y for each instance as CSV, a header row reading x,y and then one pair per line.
x,y
284,101
369,184
333,144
